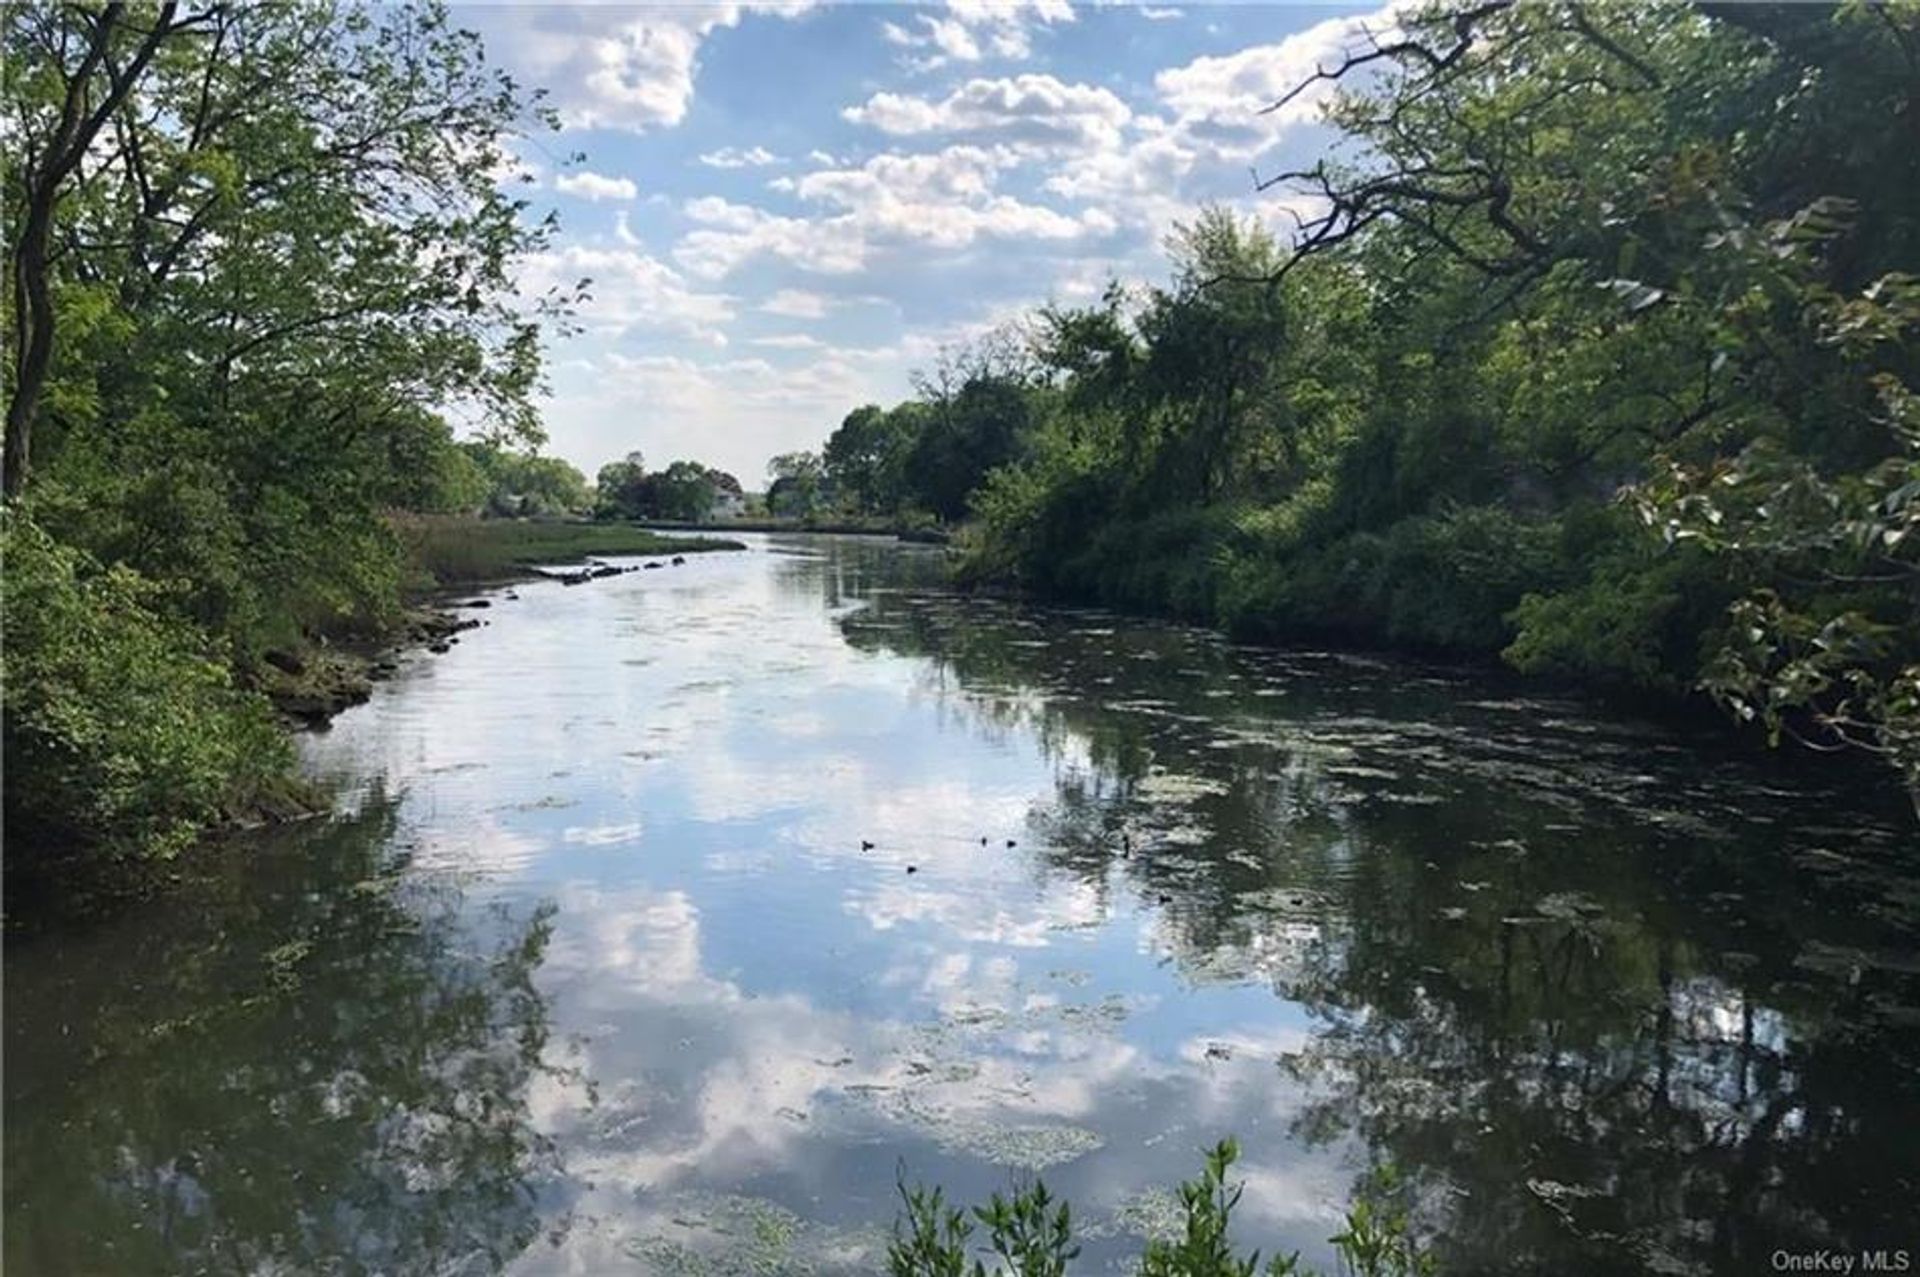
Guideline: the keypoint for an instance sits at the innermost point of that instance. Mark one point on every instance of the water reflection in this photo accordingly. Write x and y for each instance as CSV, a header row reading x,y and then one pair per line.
x,y
619,984
1613,1009
308,1061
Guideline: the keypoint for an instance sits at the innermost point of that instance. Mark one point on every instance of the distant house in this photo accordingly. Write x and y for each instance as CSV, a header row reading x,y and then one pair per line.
x,y
728,505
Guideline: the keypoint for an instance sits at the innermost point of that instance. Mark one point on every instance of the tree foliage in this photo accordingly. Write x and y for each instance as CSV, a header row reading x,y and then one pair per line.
x,y
263,259
1594,347
686,491
509,483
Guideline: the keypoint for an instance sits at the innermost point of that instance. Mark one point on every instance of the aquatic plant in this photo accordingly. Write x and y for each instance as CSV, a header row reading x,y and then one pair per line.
x,y
1030,1233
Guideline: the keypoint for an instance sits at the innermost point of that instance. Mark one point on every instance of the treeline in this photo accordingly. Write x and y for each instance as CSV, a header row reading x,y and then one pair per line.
x,y
685,491
258,257
1599,355
923,461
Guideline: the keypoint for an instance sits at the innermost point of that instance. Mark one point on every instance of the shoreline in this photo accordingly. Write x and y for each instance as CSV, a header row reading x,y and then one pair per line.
x,y
313,683
1685,712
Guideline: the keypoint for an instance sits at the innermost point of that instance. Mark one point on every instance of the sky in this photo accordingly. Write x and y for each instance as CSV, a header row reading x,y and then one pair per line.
x,y
786,208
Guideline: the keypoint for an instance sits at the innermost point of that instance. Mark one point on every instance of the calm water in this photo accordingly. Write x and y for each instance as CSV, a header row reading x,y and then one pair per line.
x,y
594,974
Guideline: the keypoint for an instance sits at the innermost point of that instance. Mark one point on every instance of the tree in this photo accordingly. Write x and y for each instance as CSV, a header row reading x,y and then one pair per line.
x,y
684,492
286,239
1825,646
108,55
262,258
1584,262
519,484
797,484
865,457
969,428
620,489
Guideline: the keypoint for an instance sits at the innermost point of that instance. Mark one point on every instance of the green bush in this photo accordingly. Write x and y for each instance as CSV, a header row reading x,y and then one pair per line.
x,y
1639,618
1438,581
124,733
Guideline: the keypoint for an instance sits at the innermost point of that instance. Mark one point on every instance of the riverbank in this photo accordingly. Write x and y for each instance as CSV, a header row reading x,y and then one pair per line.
x,y
447,557
1152,589
134,734
452,552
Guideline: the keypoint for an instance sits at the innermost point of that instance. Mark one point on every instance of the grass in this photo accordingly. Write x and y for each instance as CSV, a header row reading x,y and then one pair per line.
x,y
446,550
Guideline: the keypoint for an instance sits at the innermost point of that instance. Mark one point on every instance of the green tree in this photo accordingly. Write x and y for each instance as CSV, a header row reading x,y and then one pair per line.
x,y
620,489
1580,262
866,456
518,483
263,255
797,485
684,491
287,239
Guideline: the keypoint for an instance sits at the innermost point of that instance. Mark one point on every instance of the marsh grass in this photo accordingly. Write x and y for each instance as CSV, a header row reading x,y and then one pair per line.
x,y
446,550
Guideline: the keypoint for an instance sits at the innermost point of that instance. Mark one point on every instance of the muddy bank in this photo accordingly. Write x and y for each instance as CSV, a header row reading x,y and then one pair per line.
x,y
309,685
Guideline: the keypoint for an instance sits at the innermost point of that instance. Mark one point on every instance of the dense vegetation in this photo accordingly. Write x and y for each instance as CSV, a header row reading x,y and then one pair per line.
x,y
1594,349
509,483
258,256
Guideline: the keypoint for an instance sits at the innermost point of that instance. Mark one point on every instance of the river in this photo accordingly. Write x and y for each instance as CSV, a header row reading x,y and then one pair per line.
x,y
669,922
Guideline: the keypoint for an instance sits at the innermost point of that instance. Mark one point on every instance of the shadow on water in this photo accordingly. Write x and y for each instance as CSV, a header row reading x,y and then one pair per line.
x,y
304,1060
1616,1001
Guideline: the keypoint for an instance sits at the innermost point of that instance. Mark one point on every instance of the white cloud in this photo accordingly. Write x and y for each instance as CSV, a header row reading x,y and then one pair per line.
x,y
958,173
730,412
1213,127
944,199
1003,187
796,304
616,67
976,29
1233,90
734,157
1152,14
593,186
631,290
1034,110
979,12
952,38
734,234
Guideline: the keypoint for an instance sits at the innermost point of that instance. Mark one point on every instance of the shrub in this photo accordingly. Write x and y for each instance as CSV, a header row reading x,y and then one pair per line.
x,y
1636,620
124,733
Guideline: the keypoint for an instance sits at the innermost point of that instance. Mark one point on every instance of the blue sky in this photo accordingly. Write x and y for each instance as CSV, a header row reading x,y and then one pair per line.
x,y
786,208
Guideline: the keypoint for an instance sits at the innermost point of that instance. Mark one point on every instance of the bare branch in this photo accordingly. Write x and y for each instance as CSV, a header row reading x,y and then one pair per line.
x,y
1462,23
